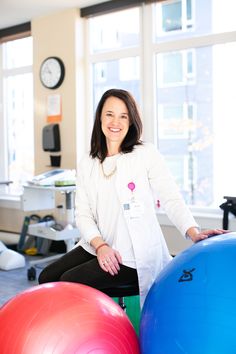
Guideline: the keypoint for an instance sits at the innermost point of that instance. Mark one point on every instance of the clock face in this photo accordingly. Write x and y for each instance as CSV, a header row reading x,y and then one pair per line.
x,y
52,72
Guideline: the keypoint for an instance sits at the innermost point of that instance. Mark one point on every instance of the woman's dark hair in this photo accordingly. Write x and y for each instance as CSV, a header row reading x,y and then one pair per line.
x,y
98,146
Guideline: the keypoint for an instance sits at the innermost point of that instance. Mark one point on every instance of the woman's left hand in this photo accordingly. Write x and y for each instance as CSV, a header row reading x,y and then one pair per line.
x,y
196,236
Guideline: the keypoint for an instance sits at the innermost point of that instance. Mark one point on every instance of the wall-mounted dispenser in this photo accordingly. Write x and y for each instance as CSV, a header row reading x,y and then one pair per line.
x,y
51,138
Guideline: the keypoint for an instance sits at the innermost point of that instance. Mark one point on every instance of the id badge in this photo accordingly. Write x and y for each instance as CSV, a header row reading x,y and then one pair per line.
x,y
133,209
136,209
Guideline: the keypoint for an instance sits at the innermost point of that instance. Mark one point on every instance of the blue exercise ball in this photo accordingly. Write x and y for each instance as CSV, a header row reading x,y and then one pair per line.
x,y
191,307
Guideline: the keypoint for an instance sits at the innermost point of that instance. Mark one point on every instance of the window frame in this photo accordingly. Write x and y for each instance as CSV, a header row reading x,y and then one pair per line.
x,y
92,58
3,130
187,78
5,191
184,160
185,107
148,50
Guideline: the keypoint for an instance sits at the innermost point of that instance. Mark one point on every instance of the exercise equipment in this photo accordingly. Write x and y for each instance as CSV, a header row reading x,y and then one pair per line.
x,y
191,306
229,206
33,245
65,318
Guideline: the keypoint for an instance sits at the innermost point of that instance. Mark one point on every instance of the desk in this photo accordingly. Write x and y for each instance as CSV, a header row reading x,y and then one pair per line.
x,y
5,182
40,198
36,198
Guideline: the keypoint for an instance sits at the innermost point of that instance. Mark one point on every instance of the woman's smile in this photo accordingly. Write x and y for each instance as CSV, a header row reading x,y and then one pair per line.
x,y
115,122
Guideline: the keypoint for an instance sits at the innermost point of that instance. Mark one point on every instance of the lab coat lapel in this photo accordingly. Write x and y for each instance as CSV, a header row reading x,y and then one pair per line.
x,y
147,259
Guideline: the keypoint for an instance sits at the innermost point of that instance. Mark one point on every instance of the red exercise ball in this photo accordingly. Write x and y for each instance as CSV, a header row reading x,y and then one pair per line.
x,y
56,318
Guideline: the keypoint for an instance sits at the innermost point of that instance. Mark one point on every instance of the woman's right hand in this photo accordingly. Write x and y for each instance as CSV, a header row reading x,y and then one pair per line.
x,y
109,259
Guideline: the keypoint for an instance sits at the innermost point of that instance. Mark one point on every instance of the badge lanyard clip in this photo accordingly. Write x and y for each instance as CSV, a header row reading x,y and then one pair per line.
x,y
135,207
131,186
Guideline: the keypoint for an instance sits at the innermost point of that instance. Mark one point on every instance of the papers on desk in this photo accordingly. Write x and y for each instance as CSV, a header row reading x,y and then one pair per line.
x,y
58,177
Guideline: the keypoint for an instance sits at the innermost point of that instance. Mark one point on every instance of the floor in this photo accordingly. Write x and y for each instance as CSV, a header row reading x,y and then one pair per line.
x,y
15,281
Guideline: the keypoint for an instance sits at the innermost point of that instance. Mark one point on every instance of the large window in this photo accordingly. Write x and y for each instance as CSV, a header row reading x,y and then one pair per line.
x,y
17,156
114,52
178,59
114,31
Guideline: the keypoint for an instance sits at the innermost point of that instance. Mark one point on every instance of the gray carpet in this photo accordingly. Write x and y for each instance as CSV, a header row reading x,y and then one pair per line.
x,y
12,282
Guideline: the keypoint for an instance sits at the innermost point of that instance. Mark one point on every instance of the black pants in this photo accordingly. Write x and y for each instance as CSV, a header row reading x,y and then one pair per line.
x,y
79,266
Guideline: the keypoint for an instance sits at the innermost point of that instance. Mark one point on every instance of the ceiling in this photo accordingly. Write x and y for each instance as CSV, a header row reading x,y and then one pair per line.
x,y
15,12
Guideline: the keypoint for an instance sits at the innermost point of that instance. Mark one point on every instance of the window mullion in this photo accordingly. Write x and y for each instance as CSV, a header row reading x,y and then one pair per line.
x,y
115,54
147,74
195,42
3,154
17,71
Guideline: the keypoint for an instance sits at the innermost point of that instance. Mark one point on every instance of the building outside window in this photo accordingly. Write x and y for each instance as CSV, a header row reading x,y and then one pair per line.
x,y
175,68
174,15
122,42
17,114
181,68
190,77
176,121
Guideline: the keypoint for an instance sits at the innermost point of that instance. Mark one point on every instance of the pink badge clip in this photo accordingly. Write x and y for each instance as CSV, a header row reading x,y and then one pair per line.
x,y
131,186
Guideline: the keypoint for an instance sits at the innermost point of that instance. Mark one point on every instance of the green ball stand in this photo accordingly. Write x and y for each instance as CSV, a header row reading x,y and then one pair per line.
x,y
132,309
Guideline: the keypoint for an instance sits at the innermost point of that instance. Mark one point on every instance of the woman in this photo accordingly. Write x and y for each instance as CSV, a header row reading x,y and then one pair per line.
x,y
119,184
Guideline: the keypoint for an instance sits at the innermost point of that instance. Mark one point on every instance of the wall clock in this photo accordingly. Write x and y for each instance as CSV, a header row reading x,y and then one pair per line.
x,y
52,72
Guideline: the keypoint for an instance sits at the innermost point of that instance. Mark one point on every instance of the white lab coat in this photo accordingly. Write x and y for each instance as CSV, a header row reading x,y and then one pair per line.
x,y
146,168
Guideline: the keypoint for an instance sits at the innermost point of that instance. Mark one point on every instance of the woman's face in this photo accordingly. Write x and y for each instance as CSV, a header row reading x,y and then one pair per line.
x,y
114,120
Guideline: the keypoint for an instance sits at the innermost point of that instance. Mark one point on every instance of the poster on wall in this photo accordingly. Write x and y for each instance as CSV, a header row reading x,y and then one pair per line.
x,y
54,109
